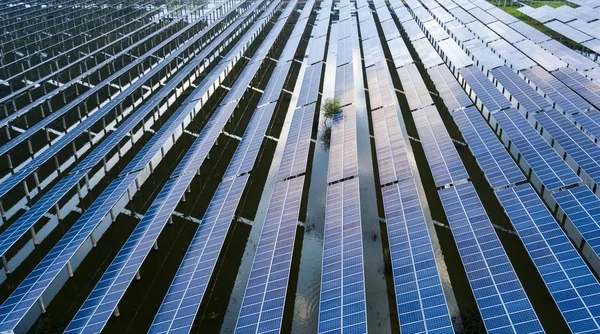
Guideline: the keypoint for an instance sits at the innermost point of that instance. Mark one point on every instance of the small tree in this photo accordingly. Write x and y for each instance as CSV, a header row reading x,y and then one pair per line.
x,y
331,107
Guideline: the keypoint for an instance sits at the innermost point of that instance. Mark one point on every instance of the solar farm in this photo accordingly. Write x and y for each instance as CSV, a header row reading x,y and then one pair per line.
x,y
299,166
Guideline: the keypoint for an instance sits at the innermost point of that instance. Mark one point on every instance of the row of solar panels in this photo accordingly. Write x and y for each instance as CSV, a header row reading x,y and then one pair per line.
x,y
522,134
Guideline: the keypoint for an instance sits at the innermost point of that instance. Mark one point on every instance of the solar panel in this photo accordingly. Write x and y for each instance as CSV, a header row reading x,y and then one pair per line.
x,y
459,32
506,32
544,58
498,167
564,98
295,153
443,159
486,59
400,54
590,121
429,57
530,32
502,302
580,205
421,14
586,88
435,31
448,88
568,55
246,153
344,51
276,83
515,58
569,32
392,158
181,303
570,282
317,49
420,299
367,29
384,15
342,306
372,52
525,95
344,84
309,92
502,16
482,16
483,32
343,155
549,167
454,54
578,146
25,296
414,87
264,297
401,12
485,90
462,15
412,30
442,15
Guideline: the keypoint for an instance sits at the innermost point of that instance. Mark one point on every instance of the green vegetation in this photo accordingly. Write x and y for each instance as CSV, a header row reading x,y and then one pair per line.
x,y
331,107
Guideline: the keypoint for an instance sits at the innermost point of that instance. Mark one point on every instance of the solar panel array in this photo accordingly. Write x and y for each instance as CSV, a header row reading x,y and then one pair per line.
x,y
448,88
342,306
549,167
414,87
564,98
498,167
502,302
590,121
527,98
484,89
587,89
570,282
444,161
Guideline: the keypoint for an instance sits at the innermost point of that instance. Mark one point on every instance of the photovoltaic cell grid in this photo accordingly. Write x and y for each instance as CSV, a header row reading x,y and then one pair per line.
x,y
590,121
569,32
401,12
486,92
435,31
264,298
412,30
570,282
26,295
549,167
444,161
544,58
344,84
309,91
526,96
502,302
566,99
180,305
568,55
295,153
506,32
392,159
515,58
581,207
588,89
483,32
420,299
429,57
456,56
449,89
482,16
342,307
530,32
415,90
343,155
459,32
498,167
462,15
380,91
577,145
400,54
371,50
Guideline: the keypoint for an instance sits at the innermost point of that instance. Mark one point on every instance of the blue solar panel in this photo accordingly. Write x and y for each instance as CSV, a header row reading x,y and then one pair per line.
x,y
502,302
392,158
381,92
565,99
343,153
526,96
549,167
420,299
589,90
590,121
449,89
26,295
179,308
581,207
486,92
309,91
415,90
578,146
443,159
295,153
264,298
570,282
276,83
498,167
342,306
